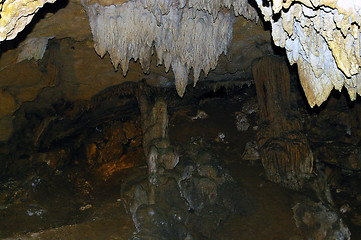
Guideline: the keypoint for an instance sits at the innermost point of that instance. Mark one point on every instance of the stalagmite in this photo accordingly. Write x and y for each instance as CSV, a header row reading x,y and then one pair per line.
x,y
158,152
323,38
183,37
285,153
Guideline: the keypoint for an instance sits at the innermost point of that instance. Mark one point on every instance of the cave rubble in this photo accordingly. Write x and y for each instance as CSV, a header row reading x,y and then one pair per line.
x,y
56,91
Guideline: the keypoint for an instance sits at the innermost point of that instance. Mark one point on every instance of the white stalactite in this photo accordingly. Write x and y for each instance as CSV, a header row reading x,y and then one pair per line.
x,y
183,38
323,38
213,7
33,48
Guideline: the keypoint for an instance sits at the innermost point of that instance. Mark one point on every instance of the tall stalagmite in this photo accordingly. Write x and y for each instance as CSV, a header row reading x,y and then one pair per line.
x,y
285,152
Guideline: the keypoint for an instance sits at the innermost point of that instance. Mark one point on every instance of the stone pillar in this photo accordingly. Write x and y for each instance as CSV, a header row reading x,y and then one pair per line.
x,y
285,152
160,155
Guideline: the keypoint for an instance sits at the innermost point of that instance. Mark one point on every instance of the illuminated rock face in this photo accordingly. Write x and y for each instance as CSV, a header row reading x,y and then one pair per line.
x,y
183,38
16,14
323,38
213,7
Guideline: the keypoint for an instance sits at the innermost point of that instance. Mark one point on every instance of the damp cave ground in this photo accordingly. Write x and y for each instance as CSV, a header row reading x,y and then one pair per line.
x,y
71,202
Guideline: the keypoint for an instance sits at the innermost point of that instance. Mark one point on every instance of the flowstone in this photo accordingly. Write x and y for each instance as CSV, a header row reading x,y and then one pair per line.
x,y
284,149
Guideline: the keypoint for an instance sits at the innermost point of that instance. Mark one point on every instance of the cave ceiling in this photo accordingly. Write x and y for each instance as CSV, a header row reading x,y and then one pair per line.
x,y
190,38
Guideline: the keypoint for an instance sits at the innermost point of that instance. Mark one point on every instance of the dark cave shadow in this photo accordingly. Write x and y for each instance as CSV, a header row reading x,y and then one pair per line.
x,y
7,45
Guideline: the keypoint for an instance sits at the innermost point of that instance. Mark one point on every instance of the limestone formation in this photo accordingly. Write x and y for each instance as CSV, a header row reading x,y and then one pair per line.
x,y
183,38
284,149
160,156
323,38
213,7
33,48
16,14
199,189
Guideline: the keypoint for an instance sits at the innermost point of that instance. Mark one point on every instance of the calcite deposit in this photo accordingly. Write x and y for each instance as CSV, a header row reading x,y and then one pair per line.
x,y
182,38
284,149
33,48
323,38
16,14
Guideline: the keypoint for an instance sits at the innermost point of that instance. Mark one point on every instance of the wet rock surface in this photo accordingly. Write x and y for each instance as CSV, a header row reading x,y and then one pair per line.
x,y
285,152
93,179
316,221
193,192
179,193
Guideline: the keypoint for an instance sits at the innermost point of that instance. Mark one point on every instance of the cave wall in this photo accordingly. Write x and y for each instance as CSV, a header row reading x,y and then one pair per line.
x,y
322,37
71,70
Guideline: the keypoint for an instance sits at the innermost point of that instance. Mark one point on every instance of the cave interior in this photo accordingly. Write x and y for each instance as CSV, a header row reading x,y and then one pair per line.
x,y
200,126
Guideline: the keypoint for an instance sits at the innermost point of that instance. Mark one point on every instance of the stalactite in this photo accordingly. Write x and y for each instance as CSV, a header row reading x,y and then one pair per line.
x,y
33,48
323,38
16,14
183,38
213,7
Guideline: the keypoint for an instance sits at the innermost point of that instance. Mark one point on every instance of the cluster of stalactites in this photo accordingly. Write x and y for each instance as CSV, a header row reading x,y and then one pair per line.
x,y
323,38
16,14
213,7
183,38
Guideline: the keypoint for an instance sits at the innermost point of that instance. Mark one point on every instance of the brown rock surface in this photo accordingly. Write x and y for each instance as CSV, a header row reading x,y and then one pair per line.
x,y
8,104
6,128
74,71
285,151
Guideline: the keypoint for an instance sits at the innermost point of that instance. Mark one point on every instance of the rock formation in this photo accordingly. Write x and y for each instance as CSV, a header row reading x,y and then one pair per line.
x,y
285,152
33,48
177,194
323,38
182,38
16,14
318,222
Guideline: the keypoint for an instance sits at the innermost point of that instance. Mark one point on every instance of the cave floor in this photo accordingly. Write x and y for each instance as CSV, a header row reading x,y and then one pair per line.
x,y
53,207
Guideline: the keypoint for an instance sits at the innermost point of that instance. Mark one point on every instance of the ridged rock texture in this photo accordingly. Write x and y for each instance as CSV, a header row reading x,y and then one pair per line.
x,y
33,48
284,149
158,151
323,38
183,36
16,14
